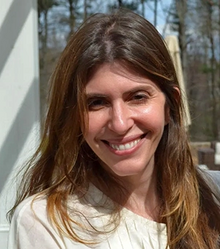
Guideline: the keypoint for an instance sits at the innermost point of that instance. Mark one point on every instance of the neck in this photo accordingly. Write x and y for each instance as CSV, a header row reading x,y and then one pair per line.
x,y
143,198
137,193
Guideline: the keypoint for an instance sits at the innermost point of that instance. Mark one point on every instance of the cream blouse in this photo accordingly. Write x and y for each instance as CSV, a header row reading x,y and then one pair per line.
x,y
31,228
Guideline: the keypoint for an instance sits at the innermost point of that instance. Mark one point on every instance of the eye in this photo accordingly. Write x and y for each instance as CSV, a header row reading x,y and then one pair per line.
x,y
96,103
139,97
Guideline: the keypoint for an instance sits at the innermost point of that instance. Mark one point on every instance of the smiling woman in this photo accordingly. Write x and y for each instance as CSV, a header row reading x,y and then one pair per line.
x,y
114,168
125,126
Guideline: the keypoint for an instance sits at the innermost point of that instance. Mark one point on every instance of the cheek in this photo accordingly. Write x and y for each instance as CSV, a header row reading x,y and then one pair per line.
x,y
154,116
94,126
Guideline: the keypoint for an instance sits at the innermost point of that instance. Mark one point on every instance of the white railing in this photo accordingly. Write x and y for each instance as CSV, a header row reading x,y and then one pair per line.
x,y
19,97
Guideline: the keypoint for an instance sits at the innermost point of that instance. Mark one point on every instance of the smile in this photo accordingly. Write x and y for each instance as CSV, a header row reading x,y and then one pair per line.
x,y
125,146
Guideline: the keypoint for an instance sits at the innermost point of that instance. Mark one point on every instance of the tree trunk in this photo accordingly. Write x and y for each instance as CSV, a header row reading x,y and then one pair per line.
x,y
155,13
71,16
85,14
181,7
143,8
212,73
120,4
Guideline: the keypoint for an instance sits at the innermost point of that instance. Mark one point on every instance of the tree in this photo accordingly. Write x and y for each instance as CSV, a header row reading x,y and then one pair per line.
x,y
132,5
179,12
44,7
197,24
209,17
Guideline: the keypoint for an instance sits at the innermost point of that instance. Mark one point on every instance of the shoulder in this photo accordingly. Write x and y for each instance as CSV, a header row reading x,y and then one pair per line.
x,y
215,175
29,211
212,178
30,226
31,204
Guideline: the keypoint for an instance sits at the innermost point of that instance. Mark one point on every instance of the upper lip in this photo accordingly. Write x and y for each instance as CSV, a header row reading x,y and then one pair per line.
x,y
124,140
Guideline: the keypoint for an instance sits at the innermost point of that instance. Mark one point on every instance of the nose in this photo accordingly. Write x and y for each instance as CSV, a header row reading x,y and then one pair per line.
x,y
120,118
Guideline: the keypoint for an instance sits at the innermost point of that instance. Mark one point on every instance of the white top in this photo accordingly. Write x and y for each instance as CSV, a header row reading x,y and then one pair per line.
x,y
33,230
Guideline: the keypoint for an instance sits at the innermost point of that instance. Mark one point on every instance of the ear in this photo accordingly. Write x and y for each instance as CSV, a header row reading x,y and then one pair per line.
x,y
176,93
167,114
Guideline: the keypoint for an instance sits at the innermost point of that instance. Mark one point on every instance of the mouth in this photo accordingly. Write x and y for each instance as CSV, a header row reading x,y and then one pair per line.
x,y
125,146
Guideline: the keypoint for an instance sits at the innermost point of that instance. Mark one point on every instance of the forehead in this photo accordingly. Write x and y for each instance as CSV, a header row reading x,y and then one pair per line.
x,y
116,74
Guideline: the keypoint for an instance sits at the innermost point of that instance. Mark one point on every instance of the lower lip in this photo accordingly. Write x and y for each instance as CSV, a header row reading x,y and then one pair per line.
x,y
128,151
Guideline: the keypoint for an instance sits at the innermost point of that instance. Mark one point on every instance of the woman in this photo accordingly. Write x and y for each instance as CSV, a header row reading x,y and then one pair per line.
x,y
114,168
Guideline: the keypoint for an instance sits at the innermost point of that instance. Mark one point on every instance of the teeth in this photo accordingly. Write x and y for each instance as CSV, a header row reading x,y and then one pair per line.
x,y
126,146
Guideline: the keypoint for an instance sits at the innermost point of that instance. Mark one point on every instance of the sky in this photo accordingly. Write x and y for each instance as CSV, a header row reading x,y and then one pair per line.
x,y
162,10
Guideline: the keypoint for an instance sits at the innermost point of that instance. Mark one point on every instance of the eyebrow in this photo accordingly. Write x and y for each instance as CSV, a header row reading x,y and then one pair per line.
x,y
95,95
133,90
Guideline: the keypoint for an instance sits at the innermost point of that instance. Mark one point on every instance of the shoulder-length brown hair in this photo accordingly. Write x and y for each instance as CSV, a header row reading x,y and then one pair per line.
x,y
61,165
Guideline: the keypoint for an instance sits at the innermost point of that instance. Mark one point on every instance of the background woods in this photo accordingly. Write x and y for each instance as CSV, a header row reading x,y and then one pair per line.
x,y
195,22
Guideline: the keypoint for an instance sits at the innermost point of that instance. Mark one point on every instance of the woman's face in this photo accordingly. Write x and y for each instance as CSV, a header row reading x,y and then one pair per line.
x,y
127,115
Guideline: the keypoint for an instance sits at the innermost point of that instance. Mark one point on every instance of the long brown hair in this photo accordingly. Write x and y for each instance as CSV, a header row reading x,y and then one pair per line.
x,y
61,165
